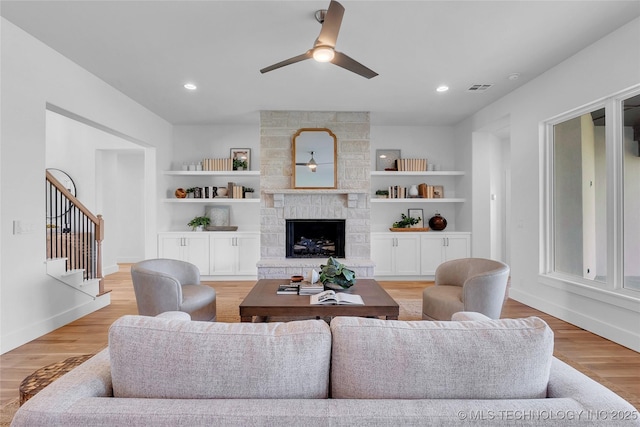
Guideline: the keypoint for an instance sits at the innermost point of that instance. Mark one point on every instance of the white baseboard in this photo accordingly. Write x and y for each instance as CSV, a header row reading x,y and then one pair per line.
x,y
36,330
583,320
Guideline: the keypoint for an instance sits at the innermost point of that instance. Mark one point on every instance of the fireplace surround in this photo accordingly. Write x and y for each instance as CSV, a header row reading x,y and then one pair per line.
x,y
348,202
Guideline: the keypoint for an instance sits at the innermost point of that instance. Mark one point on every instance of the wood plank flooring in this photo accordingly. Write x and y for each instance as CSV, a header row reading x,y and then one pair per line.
x,y
617,365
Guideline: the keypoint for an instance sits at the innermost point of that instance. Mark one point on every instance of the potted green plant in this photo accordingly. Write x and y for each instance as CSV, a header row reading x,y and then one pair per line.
x,y
198,223
248,192
406,222
334,275
191,191
239,165
382,194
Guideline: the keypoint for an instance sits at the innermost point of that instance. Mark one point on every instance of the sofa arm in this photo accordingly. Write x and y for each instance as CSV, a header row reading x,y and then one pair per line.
x,y
596,399
463,316
175,315
51,405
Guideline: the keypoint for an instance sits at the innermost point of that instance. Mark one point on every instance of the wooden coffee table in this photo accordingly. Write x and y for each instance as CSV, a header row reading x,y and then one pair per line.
x,y
263,301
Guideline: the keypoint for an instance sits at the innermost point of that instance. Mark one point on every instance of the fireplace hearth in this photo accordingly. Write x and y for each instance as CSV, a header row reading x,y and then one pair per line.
x,y
315,238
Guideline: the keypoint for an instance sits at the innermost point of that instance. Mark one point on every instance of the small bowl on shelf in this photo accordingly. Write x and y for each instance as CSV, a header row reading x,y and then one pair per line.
x,y
296,279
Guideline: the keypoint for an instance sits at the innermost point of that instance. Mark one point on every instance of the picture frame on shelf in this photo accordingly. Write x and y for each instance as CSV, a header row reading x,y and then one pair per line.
x,y
386,159
416,213
438,192
219,215
241,158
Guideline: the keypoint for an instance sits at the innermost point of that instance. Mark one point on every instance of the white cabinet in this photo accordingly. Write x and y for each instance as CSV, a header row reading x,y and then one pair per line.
x,y
234,254
396,254
215,253
438,247
190,247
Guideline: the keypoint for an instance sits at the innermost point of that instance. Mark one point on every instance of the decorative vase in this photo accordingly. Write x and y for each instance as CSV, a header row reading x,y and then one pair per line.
x,y
437,222
413,191
222,192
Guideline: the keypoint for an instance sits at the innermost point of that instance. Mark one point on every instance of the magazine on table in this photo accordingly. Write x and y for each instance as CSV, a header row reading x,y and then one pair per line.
x,y
331,297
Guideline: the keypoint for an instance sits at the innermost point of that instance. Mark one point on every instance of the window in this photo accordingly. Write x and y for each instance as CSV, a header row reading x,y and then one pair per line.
x,y
591,195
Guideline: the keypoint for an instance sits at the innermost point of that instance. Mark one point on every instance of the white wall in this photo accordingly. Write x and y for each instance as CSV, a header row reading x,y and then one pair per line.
x,y
613,64
33,76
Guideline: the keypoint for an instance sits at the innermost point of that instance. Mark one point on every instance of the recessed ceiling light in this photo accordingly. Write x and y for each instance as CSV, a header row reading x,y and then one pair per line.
x,y
190,86
442,88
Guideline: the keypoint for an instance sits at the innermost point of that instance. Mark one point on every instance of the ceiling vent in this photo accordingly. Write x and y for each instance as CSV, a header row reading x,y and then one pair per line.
x,y
478,88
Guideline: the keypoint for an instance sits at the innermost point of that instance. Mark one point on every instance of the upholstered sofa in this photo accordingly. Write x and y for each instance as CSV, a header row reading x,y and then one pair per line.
x,y
170,371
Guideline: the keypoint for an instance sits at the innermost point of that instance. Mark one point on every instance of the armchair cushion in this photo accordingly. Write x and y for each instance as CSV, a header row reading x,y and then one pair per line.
x,y
490,359
165,358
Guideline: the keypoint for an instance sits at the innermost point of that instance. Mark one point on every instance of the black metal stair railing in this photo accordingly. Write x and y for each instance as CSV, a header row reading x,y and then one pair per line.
x,y
73,232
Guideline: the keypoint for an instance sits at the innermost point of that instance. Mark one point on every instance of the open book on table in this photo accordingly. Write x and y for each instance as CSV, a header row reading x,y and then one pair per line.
x,y
332,297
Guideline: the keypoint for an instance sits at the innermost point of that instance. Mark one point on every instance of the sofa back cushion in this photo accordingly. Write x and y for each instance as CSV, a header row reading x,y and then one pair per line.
x,y
164,358
491,359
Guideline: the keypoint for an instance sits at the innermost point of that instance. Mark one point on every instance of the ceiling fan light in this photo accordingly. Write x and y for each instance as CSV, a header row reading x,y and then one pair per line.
x,y
323,53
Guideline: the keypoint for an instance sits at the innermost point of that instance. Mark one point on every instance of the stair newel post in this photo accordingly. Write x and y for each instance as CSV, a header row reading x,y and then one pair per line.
x,y
99,238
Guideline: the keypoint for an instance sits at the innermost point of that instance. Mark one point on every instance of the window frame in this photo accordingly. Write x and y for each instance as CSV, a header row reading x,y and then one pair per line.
x,y
613,286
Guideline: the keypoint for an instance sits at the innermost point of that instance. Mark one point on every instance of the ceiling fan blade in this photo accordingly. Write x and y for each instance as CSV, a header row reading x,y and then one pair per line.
x,y
342,60
289,61
331,25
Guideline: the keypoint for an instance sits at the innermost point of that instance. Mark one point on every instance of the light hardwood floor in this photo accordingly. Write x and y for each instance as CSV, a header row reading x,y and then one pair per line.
x,y
616,366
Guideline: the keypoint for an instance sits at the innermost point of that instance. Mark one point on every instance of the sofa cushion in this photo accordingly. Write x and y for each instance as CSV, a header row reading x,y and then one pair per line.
x,y
490,359
164,358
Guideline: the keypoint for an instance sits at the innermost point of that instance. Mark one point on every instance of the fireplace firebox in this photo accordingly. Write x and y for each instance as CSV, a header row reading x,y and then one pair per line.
x,y
315,238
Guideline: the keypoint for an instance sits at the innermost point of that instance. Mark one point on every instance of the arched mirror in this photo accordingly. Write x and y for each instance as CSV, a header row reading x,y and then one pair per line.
x,y
314,158
57,206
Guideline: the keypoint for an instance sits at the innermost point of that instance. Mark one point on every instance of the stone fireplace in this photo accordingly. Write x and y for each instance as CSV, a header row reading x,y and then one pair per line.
x,y
280,202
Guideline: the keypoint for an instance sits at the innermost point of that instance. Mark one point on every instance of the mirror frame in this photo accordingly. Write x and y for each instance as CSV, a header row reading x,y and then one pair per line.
x,y
324,153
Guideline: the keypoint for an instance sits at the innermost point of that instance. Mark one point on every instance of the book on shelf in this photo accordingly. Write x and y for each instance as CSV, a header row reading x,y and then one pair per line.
x,y
412,165
332,298
225,164
287,289
307,288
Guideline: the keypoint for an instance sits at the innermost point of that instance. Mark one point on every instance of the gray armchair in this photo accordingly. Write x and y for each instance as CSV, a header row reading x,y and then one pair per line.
x,y
467,284
170,285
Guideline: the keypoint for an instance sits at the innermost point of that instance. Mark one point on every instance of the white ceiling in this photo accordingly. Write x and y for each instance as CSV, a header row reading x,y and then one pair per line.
x,y
149,49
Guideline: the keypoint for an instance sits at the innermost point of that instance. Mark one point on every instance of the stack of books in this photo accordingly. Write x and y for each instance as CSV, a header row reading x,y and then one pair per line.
x,y
307,288
288,289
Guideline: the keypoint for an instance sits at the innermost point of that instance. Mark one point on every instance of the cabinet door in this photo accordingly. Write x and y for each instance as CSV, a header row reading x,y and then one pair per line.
x,y
457,247
248,251
407,255
382,253
170,246
222,255
432,247
196,251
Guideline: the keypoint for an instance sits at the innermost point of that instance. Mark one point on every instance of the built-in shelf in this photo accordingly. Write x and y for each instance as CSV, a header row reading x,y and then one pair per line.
x,y
224,200
417,200
416,173
212,173
314,191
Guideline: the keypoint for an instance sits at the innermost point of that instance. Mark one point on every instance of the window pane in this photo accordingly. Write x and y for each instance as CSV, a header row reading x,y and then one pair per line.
x,y
631,162
580,225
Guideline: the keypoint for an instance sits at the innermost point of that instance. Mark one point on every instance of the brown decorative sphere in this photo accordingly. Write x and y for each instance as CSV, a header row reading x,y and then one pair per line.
x,y
181,193
437,222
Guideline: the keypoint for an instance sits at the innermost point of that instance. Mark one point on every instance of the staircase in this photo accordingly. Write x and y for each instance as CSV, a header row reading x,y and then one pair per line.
x,y
57,268
74,240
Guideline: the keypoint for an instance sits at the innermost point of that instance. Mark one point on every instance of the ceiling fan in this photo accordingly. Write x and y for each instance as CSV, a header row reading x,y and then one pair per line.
x,y
312,164
323,49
